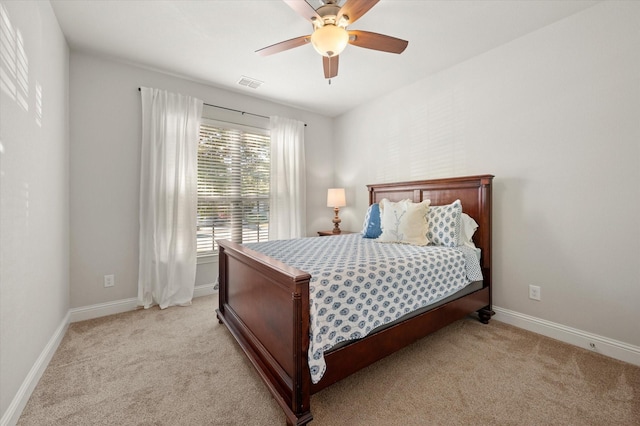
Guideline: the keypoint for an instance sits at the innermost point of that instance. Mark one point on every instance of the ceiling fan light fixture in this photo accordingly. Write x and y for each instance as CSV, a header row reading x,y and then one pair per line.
x,y
330,37
329,40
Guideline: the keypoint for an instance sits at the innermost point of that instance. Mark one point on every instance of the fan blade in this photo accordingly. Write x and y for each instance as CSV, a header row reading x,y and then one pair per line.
x,y
354,9
330,65
284,45
377,41
303,9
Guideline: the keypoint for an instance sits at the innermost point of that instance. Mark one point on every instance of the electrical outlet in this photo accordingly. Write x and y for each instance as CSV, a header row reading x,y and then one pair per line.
x,y
534,292
109,280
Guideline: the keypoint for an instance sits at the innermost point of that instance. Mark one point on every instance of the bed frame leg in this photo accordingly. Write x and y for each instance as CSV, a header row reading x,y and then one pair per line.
x,y
299,422
485,314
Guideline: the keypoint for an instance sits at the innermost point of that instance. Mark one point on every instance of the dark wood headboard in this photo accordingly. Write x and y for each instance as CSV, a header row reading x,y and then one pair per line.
x,y
474,192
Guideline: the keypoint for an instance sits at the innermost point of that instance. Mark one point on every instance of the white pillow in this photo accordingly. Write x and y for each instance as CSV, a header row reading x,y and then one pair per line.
x,y
468,227
404,222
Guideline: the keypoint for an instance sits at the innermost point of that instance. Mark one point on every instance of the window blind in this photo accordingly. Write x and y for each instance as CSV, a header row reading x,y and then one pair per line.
x,y
233,185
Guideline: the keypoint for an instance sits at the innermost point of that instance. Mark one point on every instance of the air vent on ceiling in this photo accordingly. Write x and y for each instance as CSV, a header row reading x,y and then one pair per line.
x,y
250,82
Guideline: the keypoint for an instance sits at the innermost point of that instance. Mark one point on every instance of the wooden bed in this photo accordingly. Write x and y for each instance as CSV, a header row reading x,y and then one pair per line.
x,y
265,303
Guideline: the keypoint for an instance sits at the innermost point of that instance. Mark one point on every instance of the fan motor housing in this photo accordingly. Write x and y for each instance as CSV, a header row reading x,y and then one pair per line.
x,y
329,13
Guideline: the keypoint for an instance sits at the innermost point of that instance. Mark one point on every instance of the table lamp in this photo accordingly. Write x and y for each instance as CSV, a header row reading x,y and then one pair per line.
x,y
336,199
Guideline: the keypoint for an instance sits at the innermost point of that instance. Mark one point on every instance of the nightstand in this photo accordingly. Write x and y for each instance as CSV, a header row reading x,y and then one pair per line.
x,y
330,233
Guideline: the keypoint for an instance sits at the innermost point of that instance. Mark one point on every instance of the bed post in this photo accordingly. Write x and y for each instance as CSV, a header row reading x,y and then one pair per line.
x,y
485,201
222,289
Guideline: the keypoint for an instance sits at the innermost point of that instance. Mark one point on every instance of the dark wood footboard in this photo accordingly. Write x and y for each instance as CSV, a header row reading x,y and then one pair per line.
x,y
265,305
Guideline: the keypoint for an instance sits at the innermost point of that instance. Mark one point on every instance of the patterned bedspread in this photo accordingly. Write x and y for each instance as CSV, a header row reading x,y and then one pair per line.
x,y
358,284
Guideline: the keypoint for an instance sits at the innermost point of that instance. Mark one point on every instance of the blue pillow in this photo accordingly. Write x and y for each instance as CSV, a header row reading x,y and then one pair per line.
x,y
371,227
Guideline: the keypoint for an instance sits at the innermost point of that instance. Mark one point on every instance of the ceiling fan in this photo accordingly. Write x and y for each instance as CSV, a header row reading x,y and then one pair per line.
x,y
330,35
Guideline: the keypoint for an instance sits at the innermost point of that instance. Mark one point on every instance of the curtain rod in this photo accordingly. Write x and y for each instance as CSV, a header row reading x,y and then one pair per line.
x,y
234,110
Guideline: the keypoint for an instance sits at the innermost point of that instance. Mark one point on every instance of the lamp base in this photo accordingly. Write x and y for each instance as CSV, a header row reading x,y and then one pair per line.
x,y
336,221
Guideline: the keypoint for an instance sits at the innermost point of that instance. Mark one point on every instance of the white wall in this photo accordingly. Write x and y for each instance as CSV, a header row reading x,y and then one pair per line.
x,y
34,214
555,115
105,156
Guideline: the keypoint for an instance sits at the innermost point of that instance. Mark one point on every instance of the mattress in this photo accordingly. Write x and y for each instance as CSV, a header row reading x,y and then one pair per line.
x,y
359,285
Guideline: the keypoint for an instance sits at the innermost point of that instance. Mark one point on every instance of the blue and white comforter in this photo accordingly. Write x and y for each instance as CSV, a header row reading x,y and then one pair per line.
x,y
358,284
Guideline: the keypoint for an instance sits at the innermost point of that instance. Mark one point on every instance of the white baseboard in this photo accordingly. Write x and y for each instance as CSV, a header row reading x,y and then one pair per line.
x,y
204,290
124,305
13,412
103,309
603,345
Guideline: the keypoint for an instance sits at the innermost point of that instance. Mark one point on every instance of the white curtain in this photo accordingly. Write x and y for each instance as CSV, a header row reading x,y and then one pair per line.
x,y
287,202
168,198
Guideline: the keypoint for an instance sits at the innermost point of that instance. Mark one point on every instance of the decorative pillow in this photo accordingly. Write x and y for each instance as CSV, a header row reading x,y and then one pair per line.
x,y
371,227
404,222
468,227
444,224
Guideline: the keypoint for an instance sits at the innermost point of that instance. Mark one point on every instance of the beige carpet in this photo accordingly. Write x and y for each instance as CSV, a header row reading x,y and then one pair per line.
x,y
180,367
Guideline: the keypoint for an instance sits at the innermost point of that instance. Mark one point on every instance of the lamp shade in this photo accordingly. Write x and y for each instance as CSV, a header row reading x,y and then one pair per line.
x,y
329,40
335,197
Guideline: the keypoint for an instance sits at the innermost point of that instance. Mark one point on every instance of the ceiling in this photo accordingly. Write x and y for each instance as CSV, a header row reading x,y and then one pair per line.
x,y
214,42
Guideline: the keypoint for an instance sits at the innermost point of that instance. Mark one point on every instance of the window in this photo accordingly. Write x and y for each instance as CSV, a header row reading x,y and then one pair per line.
x,y
233,185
